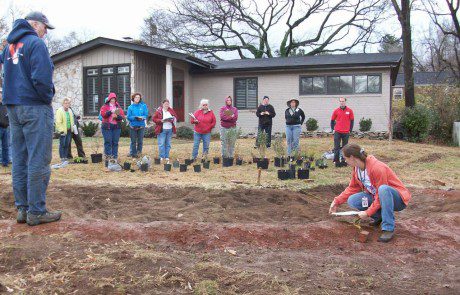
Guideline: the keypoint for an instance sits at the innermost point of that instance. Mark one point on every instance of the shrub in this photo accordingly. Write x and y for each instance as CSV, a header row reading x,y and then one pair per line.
x,y
184,132
365,124
416,122
90,128
312,124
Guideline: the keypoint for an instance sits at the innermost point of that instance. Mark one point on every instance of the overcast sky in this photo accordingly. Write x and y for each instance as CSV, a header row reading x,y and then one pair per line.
x,y
117,19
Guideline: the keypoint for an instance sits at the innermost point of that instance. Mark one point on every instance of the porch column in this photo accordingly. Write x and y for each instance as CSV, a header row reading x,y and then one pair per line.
x,y
169,81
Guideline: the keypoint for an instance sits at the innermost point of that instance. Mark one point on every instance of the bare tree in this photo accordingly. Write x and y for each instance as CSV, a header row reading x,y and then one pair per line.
x,y
249,27
56,45
403,12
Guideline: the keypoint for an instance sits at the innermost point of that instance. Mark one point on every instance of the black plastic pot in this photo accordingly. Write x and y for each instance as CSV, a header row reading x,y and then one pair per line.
x,y
197,168
216,160
96,158
299,162
206,164
239,162
291,170
176,164
144,167
303,173
106,163
188,162
277,162
126,166
167,167
157,161
183,167
307,165
227,162
263,163
255,160
284,174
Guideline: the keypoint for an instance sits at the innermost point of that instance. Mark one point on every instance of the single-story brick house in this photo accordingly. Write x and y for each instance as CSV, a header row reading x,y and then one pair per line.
x,y
88,72
422,79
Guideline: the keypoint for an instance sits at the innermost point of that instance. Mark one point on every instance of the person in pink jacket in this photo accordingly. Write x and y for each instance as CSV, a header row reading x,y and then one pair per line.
x,y
228,117
204,121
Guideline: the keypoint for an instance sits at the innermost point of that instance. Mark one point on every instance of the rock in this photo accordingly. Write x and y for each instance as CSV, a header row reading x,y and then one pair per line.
x,y
363,236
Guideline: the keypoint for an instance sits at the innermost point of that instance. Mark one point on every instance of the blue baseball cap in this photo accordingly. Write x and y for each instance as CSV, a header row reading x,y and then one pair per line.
x,y
39,17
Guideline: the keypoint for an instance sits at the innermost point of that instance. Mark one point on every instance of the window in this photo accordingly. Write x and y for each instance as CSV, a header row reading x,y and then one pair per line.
x,y
312,85
367,83
344,84
340,84
100,81
245,92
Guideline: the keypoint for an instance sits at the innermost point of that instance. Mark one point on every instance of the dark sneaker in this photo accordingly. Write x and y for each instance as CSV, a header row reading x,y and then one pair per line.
x,y
343,164
375,222
22,216
386,236
47,217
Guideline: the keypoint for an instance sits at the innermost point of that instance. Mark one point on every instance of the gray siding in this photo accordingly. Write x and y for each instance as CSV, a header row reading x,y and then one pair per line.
x,y
106,55
149,74
280,86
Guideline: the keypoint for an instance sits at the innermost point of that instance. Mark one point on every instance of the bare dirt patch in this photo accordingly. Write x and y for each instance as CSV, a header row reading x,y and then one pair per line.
x,y
156,240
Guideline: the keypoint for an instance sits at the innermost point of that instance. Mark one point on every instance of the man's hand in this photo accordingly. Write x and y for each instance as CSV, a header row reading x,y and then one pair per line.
x,y
362,215
333,208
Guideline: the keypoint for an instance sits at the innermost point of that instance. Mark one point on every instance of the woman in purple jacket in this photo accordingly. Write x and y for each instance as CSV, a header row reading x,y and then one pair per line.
x,y
228,117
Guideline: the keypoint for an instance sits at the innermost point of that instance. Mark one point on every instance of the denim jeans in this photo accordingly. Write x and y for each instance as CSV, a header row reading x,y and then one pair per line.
x,y
137,140
268,130
64,142
111,138
337,147
5,139
197,137
32,141
292,137
10,158
228,148
390,201
164,143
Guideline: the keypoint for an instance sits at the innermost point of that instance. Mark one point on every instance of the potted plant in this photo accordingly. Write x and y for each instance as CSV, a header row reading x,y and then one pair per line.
x,y
156,157
255,159
167,166
291,170
144,164
96,157
188,162
205,161
197,167
176,163
183,167
126,165
303,173
279,149
231,137
284,174
321,163
262,147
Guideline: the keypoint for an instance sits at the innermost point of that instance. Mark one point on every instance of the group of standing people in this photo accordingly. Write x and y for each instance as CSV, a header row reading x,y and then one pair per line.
x,y
28,90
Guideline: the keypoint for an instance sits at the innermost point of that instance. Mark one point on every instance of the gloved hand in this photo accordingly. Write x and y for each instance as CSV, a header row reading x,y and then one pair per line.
x,y
139,119
119,118
62,133
108,113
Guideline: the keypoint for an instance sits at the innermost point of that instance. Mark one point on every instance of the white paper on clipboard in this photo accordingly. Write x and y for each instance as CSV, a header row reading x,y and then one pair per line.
x,y
193,116
346,213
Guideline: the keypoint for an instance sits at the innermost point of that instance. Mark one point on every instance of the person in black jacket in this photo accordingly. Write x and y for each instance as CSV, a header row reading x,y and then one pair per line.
x,y
4,134
266,113
76,138
294,121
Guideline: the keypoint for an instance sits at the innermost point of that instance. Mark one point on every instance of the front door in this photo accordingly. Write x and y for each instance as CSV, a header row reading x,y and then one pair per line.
x,y
178,99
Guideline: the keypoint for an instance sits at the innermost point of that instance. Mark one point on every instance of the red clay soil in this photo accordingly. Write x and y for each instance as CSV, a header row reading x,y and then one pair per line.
x,y
284,242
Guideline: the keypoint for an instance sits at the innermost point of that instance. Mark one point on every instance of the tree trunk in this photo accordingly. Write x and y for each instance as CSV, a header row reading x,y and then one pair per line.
x,y
407,50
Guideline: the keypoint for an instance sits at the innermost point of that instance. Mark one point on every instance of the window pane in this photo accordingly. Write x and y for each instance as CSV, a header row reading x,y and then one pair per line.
x,y
360,84
346,84
373,85
124,69
318,85
333,85
123,91
107,85
240,93
91,72
92,97
306,86
107,71
251,102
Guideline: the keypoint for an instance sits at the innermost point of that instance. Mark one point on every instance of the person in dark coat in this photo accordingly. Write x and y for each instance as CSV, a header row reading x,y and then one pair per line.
x,y
76,138
266,113
294,120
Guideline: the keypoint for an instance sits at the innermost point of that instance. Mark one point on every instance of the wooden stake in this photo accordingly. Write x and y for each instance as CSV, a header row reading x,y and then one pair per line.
x,y
259,172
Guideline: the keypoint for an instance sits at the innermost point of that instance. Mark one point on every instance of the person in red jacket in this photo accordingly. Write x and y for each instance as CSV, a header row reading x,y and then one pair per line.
x,y
204,121
374,189
342,125
112,115
165,119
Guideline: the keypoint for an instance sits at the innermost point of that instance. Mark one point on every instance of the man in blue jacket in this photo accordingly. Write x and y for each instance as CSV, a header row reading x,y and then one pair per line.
x,y
28,90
